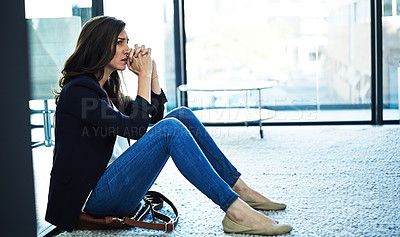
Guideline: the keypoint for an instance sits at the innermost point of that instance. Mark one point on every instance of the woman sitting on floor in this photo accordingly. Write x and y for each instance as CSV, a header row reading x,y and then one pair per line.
x,y
91,111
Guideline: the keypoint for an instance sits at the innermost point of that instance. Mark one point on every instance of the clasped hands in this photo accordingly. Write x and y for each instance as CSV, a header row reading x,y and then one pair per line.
x,y
140,62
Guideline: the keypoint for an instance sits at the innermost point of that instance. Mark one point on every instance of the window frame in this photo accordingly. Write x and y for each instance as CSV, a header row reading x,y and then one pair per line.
x,y
376,67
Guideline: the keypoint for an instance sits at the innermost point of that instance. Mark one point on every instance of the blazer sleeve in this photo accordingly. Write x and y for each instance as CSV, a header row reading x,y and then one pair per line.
x,y
87,104
157,101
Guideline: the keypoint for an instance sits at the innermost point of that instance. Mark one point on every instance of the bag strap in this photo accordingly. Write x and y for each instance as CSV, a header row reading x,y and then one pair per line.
x,y
136,221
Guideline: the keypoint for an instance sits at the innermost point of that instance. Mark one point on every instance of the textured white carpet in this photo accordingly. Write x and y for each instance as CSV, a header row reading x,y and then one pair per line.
x,y
336,181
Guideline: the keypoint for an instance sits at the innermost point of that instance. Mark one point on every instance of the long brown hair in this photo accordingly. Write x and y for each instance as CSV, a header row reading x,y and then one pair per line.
x,y
95,48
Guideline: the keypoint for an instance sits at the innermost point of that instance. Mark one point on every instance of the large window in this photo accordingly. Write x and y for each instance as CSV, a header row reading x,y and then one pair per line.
x,y
316,54
53,28
153,28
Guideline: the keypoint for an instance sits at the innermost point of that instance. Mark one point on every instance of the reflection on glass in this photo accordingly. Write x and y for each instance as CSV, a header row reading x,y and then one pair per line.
x,y
51,42
398,7
387,7
391,59
315,53
153,28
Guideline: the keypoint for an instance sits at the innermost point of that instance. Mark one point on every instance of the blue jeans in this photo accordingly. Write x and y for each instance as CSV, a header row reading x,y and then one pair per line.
x,y
179,135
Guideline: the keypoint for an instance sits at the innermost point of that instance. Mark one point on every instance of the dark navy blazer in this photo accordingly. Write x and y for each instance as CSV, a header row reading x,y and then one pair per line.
x,y
85,132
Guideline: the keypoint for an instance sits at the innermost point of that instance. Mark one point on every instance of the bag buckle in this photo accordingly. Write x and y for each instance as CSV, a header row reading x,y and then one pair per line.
x,y
122,221
166,227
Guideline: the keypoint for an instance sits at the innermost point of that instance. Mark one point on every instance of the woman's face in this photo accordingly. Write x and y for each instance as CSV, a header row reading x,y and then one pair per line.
x,y
120,59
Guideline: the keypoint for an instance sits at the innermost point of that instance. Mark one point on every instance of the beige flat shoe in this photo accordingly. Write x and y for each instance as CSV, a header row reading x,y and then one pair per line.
x,y
231,227
267,206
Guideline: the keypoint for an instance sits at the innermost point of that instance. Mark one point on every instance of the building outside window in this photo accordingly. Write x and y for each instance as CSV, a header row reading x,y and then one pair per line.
x,y
317,53
391,59
387,8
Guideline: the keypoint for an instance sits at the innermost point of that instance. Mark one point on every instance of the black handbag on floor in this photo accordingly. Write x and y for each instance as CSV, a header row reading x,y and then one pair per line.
x,y
153,201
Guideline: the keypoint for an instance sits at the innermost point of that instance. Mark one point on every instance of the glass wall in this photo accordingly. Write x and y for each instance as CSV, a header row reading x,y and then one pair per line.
x,y
391,59
315,54
53,29
153,28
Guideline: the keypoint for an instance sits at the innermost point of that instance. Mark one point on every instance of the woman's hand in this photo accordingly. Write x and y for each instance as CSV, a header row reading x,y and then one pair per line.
x,y
155,84
139,61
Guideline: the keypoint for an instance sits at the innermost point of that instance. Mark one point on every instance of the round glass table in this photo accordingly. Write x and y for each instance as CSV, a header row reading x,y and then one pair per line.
x,y
229,115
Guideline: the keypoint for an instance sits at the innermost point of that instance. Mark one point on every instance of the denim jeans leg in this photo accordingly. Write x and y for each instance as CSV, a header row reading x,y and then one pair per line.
x,y
128,178
218,160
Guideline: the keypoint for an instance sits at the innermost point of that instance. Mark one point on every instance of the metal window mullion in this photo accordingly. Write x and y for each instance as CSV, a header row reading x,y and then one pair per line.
x,y
373,69
180,49
97,8
376,62
379,63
